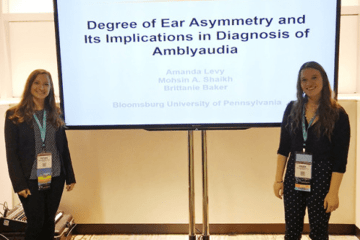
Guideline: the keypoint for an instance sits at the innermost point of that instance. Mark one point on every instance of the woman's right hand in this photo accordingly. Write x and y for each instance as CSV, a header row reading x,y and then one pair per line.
x,y
25,193
279,189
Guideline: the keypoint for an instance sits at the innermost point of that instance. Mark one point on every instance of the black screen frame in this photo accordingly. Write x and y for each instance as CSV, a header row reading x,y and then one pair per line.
x,y
197,126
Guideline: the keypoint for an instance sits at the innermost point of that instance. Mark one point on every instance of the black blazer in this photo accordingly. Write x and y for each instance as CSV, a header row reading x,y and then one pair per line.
x,y
20,153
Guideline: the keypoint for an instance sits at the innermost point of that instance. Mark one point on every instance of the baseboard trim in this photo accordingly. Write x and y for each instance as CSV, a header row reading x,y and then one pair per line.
x,y
357,232
228,229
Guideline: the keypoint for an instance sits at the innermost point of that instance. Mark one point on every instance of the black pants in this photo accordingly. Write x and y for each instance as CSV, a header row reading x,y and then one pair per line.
x,y
296,202
40,209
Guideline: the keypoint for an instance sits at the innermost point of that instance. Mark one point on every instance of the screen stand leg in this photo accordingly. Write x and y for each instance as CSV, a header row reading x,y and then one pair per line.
x,y
206,233
192,234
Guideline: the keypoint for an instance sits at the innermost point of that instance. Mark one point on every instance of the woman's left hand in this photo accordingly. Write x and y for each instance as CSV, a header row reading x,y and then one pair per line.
x,y
70,187
331,202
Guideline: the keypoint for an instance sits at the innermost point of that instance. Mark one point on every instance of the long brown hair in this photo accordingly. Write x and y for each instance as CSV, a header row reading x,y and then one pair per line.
x,y
328,110
25,109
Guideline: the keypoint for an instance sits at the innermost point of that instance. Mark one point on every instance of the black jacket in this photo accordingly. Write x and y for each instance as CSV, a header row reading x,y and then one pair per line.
x,y
20,153
322,148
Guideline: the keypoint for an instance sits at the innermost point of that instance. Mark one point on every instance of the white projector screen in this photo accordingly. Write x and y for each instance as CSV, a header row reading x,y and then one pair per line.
x,y
188,64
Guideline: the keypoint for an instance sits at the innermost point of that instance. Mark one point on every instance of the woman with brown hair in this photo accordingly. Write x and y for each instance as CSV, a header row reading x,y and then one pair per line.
x,y
38,156
316,132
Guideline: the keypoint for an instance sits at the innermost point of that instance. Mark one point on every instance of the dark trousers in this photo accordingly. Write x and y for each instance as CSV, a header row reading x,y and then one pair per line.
x,y
296,202
40,209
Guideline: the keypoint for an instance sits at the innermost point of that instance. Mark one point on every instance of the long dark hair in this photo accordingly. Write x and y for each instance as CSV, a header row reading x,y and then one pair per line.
x,y
328,110
25,109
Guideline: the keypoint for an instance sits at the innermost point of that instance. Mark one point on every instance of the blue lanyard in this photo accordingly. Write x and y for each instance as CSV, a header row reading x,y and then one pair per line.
x,y
42,128
304,130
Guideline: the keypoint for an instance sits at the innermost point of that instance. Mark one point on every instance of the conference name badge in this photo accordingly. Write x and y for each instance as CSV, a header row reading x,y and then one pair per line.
x,y
303,168
44,166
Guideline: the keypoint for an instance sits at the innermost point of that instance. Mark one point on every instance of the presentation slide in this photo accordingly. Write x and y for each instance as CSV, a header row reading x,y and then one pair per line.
x,y
157,63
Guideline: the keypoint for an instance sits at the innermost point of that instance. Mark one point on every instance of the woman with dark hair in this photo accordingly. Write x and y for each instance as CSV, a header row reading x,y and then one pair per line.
x,y
315,131
38,156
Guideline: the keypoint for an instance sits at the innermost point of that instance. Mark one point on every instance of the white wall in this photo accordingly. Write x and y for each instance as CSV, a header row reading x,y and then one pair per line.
x,y
357,207
348,58
5,80
32,46
141,177
350,2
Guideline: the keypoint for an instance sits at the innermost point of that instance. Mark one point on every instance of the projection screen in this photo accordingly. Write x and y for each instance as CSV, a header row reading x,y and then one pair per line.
x,y
186,64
